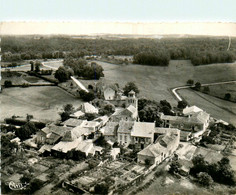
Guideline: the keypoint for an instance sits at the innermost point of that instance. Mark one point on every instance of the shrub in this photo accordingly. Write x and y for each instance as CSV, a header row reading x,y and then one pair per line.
x,y
204,179
7,83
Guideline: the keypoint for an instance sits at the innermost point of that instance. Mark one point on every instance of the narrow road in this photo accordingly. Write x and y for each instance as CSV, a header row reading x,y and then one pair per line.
x,y
79,84
174,91
73,78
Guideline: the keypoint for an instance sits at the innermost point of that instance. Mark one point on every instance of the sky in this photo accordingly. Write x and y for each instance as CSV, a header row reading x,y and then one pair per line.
x,y
132,15
119,10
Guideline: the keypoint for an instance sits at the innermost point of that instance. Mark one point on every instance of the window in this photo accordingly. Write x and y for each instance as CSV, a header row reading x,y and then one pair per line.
x,y
125,139
120,137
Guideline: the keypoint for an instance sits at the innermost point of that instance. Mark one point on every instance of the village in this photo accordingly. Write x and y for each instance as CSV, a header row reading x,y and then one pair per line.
x,y
103,146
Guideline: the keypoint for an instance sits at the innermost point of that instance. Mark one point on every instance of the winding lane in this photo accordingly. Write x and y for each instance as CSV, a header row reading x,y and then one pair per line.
x,y
174,91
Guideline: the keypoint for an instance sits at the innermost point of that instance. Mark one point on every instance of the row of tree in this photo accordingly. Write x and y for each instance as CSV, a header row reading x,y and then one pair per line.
x,y
82,69
200,50
212,57
220,172
153,59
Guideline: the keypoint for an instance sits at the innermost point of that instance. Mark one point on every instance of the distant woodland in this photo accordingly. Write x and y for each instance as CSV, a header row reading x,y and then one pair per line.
x,y
150,51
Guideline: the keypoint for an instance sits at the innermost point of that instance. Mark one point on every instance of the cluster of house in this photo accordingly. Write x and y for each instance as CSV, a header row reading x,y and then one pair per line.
x,y
123,126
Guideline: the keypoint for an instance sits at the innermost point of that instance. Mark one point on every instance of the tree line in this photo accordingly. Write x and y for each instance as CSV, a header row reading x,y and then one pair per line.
x,y
200,50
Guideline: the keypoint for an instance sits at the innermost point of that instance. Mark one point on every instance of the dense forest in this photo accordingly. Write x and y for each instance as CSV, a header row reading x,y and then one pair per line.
x,y
200,50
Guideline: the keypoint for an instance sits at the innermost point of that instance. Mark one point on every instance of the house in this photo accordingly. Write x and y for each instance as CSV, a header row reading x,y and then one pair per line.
x,y
110,131
142,134
191,110
63,147
156,152
86,147
185,136
73,139
196,123
72,122
158,131
76,133
88,108
124,132
45,149
77,114
109,92
128,114
93,126
16,140
102,120
50,134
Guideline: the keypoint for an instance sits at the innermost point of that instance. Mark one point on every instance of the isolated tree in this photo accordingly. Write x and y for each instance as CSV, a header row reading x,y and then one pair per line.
x,y
174,167
165,103
7,146
32,65
62,74
86,96
199,165
190,82
26,131
107,109
7,83
206,89
197,86
68,109
37,66
166,110
29,117
129,87
182,104
101,188
227,96
26,178
204,179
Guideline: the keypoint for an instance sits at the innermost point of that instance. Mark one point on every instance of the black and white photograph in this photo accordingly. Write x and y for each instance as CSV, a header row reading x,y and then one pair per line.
x,y
118,97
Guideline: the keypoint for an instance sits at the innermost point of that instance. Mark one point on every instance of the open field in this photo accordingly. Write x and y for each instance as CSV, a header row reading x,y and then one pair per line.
x,y
53,63
221,90
155,83
25,66
19,78
42,102
183,187
218,108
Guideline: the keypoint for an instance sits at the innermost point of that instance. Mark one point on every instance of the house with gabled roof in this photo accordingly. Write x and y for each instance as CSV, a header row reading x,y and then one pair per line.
x,y
72,122
191,110
109,92
102,120
77,114
156,152
196,123
142,134
50,134
76,133
88,108
124,132
128,114
110,131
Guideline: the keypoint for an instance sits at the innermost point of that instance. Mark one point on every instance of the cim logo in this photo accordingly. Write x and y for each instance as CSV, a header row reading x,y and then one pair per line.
x,y
17,186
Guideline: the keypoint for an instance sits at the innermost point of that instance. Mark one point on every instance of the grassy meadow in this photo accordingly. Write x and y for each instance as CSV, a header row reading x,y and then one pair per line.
x,y
42,102
155,83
